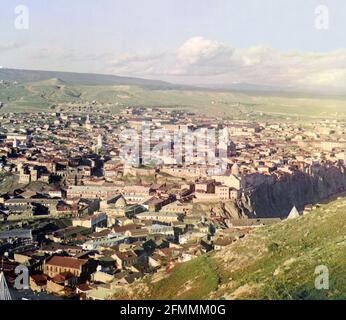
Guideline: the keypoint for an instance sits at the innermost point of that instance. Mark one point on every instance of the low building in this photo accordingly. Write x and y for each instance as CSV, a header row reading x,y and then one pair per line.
x,y
125,259
159,216
91,222
58,264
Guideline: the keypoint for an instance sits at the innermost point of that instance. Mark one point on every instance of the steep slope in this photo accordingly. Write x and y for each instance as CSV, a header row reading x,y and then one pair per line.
x,y
275,196
276,262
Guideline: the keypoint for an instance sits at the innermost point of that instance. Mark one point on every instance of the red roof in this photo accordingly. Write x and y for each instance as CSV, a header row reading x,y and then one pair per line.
x,y
83,287
66,262
40,279
62,277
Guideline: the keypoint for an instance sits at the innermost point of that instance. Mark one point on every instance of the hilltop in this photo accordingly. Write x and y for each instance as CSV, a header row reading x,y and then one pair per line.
x,y
276,262
73,78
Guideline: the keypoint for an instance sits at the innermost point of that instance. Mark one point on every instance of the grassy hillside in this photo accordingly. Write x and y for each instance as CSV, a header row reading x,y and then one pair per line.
x,y
41,95
34,91
73,78
276,262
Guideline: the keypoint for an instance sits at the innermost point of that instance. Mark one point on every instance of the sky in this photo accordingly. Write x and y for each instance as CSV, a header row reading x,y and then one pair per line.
x,y
214,42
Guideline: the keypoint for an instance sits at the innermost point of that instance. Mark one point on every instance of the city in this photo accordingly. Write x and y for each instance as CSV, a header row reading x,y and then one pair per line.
x,y
172,158
86,223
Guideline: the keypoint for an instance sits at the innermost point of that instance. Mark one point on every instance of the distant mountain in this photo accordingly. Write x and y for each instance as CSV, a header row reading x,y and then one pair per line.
x,y
93,79
266,90
73,78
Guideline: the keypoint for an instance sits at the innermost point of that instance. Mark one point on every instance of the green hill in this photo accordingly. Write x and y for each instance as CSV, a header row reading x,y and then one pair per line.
x,y
276,262
35,91
73,78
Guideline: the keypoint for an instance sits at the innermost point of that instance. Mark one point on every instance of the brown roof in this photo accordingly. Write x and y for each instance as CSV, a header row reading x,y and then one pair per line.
x,y
223,241
83,287
62,277
66,262
125,255
39,279
101,234
126,228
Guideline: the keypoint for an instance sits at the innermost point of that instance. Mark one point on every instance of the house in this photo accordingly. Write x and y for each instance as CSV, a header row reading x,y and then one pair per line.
x,y
91,222
123,221
111,240
126,277
222,243
91,192
178,207
154,204
99,293
158,216
57,265
38,282
102,277
82,290
61,283
67,234
125,259
115,207
161,229
192,236
137,234
55,248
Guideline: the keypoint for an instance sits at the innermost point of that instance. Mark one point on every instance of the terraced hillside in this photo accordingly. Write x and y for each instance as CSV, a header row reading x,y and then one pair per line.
x,y
276,262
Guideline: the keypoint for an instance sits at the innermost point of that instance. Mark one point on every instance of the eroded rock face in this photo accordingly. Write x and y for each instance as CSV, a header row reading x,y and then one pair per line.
x,y
275,197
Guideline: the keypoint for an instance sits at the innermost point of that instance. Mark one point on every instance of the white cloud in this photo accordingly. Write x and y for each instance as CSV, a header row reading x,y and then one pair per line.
x,y
201,57
205,61
199,50
210,62
138,64
198,60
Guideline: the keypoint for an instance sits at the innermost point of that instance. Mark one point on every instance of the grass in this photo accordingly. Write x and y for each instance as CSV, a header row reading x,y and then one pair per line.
x,y
290,252
190,280
277,262
186,281
39,96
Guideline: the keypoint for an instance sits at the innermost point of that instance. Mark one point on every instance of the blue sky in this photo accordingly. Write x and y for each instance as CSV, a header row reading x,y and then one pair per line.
x,y
155,38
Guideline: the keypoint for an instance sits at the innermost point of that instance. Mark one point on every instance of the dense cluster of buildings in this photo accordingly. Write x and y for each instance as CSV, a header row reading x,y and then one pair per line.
x,y
86,223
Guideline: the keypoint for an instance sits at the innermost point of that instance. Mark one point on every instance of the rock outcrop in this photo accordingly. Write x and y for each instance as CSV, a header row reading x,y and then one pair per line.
x,y
276,196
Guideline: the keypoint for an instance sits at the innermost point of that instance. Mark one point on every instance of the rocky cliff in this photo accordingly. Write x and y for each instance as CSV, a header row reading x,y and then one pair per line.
x,y
276,196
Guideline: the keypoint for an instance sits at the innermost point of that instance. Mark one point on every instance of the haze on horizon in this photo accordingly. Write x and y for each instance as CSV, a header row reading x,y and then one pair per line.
x,y
198,42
